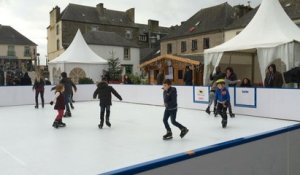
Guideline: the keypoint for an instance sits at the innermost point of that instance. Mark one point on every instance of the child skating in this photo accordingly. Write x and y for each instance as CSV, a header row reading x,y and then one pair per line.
x,y
104,92
59,101
170,101
223,101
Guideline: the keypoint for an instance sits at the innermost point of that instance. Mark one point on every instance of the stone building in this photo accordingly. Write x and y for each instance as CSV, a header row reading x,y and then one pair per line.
x,y
17,54
64,25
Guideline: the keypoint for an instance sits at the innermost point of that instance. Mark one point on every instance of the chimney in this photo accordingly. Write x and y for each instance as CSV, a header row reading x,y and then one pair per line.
x,y
153,25
54,15
131,14
100,9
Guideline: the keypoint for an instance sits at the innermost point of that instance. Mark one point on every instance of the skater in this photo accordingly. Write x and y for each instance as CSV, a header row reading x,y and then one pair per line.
x,y
104,92
170,101
223,101
59,101
214,77
39,87
68,84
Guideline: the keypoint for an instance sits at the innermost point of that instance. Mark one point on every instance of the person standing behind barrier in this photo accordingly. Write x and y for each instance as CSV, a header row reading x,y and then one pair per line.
x,y
188,76
160,78
170,101
273,78
26,80
223,101
246,83
39,87
231,80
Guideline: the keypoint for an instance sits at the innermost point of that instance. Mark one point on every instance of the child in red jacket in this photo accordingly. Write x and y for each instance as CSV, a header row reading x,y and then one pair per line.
x,y
59,101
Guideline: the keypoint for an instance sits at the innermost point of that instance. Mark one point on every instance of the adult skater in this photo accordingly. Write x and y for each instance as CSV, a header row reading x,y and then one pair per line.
x,y
223,101
68,84
214,77
39,87
104,92
59,101
170,101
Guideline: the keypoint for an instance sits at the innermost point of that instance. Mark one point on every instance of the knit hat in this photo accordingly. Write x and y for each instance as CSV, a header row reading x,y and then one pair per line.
x,y
220,81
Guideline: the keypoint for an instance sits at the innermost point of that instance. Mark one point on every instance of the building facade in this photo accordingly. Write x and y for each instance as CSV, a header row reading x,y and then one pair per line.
x,y
111,45
17,54
64,25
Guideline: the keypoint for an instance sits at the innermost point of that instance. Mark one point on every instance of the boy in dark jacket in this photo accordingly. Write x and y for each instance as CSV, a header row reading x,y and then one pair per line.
x,y
223,101
170,101
104,92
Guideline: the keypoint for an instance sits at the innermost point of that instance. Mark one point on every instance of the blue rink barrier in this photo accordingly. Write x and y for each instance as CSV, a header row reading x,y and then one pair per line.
x,y
154,164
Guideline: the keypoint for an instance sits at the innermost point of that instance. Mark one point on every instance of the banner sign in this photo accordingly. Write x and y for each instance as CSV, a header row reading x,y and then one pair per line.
x,y
201,94
245,97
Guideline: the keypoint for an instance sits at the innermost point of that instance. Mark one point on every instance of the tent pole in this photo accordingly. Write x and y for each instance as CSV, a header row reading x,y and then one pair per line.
x,y
253,67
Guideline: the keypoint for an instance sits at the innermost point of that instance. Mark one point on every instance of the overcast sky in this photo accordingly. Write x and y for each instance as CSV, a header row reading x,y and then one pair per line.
x,y
31,17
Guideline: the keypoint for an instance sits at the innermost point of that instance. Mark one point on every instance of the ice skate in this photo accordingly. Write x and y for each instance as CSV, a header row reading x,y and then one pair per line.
x,y
72,107
232,115
207,111
100,126
168,136
55,124
184,131
36,107
61,124
224,123
68,114
108,123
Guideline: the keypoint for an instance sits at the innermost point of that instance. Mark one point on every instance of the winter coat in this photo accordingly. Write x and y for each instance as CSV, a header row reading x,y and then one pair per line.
x,y
104,92
25,81
232,78
188,77
274,80
222,95
39,86
160,78
170,98
60,102
68,84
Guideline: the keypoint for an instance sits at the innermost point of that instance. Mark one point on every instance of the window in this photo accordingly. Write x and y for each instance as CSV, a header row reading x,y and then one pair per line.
x,y
180,74
169,48
183,46
57,44
57,29
194,45
128,69
27,51
126,53
94,28
206,43
11,51
143,38
128,34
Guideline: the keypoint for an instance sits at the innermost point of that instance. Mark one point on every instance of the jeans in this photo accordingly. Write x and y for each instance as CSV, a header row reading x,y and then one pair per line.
x,y
222,110
36,97
172,114
67,101
103,109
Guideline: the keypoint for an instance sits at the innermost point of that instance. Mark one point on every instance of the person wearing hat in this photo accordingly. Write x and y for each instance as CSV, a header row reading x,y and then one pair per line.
x,y
223,100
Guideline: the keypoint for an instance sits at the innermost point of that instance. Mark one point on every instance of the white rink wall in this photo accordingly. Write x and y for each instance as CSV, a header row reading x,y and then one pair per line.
x,y
271,103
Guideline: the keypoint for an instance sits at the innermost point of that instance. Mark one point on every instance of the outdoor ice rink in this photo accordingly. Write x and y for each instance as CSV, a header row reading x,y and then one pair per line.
x,y
29,145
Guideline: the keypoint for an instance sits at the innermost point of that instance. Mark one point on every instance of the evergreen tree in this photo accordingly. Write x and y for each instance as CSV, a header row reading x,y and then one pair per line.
x,y
114,67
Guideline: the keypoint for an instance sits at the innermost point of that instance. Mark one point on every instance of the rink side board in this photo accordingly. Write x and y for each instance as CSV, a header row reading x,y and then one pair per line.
x,y
250,94
154,164
204,94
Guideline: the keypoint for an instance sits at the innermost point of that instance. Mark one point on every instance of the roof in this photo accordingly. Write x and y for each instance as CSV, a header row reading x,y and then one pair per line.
x,y
87,14
107,39
206,20
9,35
291,7
78,52
170,57
262,32
149,53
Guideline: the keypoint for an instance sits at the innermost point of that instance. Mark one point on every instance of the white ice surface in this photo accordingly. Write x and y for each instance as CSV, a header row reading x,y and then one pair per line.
x,y
30,146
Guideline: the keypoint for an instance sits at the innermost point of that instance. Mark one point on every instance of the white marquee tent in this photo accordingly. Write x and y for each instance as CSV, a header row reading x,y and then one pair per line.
x,y
78,61
271,35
